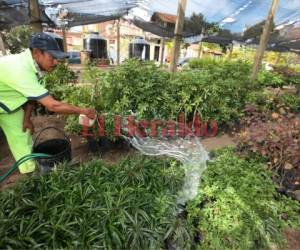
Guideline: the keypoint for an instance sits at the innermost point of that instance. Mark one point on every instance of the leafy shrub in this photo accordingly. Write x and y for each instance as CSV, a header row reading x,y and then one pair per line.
x,y
17,38
139,88
238,207
130,205
289,102
270,79
270,102
148,92
58,81
224,69
263,99
291,75
219,99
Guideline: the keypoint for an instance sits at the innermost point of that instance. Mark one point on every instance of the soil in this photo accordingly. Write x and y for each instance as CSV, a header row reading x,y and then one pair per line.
x,y
293,239
82,153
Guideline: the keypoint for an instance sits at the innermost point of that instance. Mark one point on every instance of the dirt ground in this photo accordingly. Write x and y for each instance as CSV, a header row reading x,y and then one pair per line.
x,y
81,153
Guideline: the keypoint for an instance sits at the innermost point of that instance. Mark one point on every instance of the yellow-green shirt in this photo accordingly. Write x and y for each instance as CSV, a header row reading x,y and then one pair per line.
x,y
18,81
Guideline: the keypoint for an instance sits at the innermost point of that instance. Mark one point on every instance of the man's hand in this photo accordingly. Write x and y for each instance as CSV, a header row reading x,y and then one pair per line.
x,y
89,112
27,124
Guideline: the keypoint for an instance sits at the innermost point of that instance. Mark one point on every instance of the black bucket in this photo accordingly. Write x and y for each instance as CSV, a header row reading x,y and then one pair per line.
x,y
59,149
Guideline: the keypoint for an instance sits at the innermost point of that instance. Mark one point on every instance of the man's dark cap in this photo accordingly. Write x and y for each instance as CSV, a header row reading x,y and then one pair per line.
x,y
47,43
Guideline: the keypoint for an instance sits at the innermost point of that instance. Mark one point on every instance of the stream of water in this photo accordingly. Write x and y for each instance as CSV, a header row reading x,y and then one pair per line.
x,y
189,151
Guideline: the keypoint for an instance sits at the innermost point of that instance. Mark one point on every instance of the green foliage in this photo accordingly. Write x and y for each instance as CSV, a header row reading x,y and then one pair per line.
x,y
58,81
221,84
256,30
215,89
263,99
196,22
291,75
130,205
17,39
269,102
238,207
290,102
138,88
270,79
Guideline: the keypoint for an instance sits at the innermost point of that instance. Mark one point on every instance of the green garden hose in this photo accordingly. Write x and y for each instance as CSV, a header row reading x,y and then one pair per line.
x,y
22,160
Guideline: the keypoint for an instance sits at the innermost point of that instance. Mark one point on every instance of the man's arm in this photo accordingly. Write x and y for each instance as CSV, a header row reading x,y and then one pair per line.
x,y
63,108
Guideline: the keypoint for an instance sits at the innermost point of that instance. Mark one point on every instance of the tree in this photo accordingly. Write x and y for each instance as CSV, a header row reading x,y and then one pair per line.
x,y
256,30
17,38
195,24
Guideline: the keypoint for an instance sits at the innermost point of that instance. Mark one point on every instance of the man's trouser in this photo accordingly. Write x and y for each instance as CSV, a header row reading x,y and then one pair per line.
x,y
20,142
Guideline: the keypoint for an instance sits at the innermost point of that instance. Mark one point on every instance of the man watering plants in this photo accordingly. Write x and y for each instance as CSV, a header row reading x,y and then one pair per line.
x,y
20,88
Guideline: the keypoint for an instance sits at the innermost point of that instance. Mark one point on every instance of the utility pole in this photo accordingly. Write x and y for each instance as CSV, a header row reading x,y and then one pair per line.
x,y
162,51
2,46
264,39
118,41
178,34
35,18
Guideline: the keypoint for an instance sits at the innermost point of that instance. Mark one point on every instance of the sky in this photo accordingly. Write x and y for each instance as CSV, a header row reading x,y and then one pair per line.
x,y
235,15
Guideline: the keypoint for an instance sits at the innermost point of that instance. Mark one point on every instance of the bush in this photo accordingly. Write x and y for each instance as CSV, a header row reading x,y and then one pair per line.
x,y
17,38
148,92
224,69
219,99
238,207
270,79
290,74
269,102
59,80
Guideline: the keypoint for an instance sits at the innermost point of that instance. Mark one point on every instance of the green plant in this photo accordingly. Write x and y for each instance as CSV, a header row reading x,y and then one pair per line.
x,y
290,102
130,205
238,207
290,74
270,79
58,81
269,102
214,89
17,39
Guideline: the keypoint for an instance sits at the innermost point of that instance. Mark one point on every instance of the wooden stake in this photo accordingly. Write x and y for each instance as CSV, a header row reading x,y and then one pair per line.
x,y
200,50
35,18
118,41
162,51
2,46
264,39
65,39
178,34
230,51
278,58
